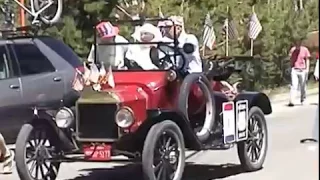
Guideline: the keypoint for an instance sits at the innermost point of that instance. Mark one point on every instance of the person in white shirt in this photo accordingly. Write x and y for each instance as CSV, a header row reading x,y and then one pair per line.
x,y
109,55
194,62
140,54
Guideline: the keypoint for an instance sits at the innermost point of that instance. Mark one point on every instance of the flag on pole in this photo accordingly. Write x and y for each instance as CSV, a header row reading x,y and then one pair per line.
x,y
230,26
254,26
78,81
103,79
160,13
161,23
86,74
111,78
106,77
94,74
209,36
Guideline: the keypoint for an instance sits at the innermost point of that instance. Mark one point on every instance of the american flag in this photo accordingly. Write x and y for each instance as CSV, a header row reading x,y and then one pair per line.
x,y
78,81
254,27
160,14
209,36
93,77
111,82
230,26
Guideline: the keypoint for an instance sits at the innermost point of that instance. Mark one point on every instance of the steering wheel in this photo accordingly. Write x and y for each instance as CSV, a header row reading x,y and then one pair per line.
x,y
166,61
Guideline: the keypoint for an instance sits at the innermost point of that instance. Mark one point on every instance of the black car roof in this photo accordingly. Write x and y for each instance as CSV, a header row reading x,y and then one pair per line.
x,y
29,37
66,52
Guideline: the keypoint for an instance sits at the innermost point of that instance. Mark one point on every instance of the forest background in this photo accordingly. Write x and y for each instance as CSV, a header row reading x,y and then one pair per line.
x,y
281,23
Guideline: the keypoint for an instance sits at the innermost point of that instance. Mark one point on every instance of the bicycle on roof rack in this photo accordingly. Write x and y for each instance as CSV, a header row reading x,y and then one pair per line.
x,y
46,11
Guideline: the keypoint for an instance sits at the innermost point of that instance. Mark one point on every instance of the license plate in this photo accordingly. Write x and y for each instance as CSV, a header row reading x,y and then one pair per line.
x,y
97,152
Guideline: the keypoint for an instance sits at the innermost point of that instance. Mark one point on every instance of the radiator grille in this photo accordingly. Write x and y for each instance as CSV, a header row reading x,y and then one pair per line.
x,y
95,122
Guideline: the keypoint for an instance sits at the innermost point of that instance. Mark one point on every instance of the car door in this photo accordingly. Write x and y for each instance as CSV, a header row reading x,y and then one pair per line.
x,y
11,108
42,84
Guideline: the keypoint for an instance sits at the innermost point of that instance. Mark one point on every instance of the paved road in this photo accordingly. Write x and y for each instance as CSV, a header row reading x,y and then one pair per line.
x,y
286,159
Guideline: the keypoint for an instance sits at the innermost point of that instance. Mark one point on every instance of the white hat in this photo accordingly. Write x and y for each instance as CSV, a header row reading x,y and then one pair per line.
x,y
147,27
107,30
177,20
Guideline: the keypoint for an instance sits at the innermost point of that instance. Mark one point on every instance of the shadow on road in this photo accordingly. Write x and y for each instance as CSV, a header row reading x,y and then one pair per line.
x,y
192,171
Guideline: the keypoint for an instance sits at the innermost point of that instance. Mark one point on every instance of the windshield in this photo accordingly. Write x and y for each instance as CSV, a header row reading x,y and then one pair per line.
x,y
146,50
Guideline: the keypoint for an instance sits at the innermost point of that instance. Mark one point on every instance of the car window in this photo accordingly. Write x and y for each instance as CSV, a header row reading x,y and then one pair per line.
x,y
63,50
4,63
31,60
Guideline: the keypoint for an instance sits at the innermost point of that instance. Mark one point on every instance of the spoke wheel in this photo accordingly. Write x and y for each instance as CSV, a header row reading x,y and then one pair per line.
x,y
254,144
209,102
35,149
163,156
51,14
252,152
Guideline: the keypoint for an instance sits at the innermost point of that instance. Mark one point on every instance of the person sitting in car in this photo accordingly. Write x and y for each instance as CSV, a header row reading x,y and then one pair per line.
x,y
109,55
139,56
175,29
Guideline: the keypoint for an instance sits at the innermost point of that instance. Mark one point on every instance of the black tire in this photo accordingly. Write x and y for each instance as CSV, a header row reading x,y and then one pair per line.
x,y
205,86
22,142
53,17
246,159
150,150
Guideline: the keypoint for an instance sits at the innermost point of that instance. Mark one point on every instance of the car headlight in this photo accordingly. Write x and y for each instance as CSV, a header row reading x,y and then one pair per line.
x,y
171,76
124,117
64,117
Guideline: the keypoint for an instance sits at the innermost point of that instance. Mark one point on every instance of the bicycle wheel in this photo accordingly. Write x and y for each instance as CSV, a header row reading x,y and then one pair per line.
x,y
52,14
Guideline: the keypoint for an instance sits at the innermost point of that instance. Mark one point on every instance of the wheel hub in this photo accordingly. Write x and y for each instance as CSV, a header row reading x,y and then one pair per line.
x,y
42,154
170,156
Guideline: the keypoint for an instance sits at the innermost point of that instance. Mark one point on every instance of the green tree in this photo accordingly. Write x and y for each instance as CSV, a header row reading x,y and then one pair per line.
x,y
281,25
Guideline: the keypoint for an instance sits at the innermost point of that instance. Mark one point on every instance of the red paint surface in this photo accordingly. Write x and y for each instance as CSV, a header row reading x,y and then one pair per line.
x,y
145,90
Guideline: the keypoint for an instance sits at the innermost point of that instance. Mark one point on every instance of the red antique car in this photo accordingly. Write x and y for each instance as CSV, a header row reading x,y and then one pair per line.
x,y
152,116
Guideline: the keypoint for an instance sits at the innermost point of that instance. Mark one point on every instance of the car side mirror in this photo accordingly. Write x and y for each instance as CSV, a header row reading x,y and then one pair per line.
x,y
188,48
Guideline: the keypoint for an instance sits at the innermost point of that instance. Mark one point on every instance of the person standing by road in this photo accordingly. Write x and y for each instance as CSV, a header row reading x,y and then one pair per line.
x,y
6,157
299,58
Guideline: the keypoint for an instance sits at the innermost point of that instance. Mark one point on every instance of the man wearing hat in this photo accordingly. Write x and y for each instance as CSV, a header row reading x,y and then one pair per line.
x,y
109,55
194,63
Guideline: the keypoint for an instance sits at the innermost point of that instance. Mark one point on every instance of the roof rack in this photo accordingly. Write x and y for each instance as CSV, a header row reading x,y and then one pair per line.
x,y
133,21
31,30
